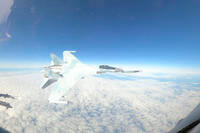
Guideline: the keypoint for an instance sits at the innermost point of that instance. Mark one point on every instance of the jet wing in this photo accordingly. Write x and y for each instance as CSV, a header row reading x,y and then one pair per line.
x,y
47,82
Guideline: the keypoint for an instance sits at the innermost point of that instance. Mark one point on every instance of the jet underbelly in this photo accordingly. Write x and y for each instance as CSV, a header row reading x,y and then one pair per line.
x,y
73,72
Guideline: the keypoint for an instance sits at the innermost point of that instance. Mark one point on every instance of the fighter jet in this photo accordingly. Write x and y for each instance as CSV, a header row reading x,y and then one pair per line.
x,y
107,69
67,72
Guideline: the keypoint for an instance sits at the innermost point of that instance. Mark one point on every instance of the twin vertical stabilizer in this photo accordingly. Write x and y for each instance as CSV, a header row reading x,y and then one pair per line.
x,y
55,60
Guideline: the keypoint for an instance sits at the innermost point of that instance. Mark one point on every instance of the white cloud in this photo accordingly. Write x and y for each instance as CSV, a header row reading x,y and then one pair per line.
x,y
5,9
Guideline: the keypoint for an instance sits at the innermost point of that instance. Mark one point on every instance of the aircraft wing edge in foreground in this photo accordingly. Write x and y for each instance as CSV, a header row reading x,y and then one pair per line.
x,y
190,124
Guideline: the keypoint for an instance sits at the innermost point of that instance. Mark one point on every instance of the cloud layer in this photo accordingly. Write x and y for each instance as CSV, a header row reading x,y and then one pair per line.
x,y
96,105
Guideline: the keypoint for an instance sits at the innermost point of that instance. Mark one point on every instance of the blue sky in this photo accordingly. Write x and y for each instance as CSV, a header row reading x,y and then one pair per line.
x,y
145,32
